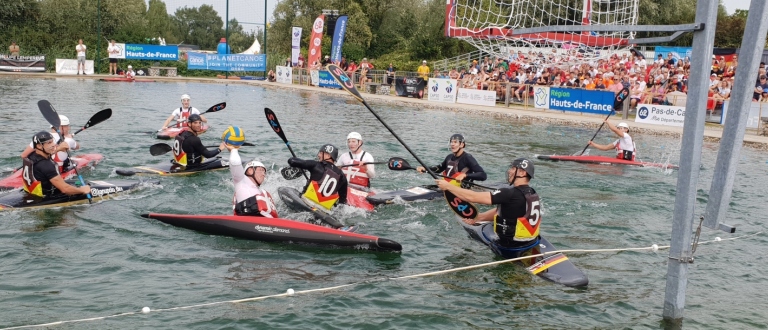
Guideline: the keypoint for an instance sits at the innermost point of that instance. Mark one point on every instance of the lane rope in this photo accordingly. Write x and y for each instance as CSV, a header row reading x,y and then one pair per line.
x,y
291,292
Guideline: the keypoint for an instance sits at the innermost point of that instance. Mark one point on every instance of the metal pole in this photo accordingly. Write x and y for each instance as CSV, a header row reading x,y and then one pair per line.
x,y
98,42
265,39
226,36
690,163
738,113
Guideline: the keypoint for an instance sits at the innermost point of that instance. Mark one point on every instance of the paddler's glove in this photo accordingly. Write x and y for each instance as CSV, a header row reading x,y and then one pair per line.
x,y
293,161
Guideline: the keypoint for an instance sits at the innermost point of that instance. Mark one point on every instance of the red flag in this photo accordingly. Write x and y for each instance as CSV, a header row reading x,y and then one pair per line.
x,y
316,40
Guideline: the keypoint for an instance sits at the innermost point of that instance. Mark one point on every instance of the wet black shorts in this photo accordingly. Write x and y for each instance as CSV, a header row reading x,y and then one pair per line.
x,y
112,60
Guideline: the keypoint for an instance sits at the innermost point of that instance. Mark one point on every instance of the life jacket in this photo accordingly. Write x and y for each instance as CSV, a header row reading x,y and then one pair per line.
x,y
182,121
179,156
31,185
357,174
451,171
626,154
523,229
325,193
261,205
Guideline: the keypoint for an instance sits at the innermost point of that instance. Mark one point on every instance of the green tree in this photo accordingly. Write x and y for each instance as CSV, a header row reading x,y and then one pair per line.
x,y
239,40
159,22
199,26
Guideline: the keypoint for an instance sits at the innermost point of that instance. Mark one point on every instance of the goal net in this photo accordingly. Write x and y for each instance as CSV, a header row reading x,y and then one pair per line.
x,y
490,25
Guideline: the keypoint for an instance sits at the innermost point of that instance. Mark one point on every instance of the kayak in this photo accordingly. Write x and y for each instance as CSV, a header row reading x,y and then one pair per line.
x,y
173,169
14,181
100,190
293,199
426,192
123,79
357,198
554,267
171,132
275,230
605,160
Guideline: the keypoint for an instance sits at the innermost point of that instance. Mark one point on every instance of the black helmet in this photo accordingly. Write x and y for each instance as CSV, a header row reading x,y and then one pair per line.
x,y
457,137
194,117
331,150
41,137
523,164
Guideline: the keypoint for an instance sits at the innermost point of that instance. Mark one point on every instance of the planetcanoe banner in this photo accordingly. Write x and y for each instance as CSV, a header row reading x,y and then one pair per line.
x,y
226,62
69,66
476,97
22,63
326,80
295,45
151,52
315,41
338,38
410,86
660,114
579,100
283,74
442,90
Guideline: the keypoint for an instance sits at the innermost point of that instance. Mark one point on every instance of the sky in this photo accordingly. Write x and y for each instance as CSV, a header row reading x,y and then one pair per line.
x,y
732,5
243,10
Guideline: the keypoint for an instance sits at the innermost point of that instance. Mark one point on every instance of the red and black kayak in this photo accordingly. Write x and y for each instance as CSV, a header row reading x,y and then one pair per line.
x,y
14,181
171,132
275,230
605,160
123,79
357,198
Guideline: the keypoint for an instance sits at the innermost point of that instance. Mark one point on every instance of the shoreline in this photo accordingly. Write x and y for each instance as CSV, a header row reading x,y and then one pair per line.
x,y
556,117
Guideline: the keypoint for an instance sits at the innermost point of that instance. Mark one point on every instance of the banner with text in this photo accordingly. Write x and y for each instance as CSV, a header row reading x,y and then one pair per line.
x,y
283,74
23,63
69,66
476,97
226,62
541,97
295,44
660,115
338,38
756,109
151,52
325,79
442,90
579,100
410,86
677,52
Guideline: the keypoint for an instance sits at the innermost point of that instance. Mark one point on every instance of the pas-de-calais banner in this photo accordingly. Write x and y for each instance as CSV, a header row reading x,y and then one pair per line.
x,y
295,44
151,52
753,119
284,75
226,62
69,66
315,41
442,90
326,80
476,97
410,86
540,97
22,63
338,38
579,100
660,114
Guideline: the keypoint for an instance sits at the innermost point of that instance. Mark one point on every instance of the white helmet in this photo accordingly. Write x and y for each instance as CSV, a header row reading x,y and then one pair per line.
x,y
130,67
185,97
64,120
355,135
254,163
623,124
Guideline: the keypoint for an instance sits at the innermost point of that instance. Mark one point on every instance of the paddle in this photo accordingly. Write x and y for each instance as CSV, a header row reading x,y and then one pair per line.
x,y
461,207
349,85
46,108
275,124
291,173
162,148
399,164
215,108
617,103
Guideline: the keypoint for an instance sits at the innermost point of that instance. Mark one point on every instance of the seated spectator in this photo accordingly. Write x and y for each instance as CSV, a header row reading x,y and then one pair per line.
x,y
761,90
271,76
656,95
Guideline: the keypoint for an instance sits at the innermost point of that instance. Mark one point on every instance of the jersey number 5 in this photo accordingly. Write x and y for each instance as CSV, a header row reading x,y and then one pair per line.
x,y
535,216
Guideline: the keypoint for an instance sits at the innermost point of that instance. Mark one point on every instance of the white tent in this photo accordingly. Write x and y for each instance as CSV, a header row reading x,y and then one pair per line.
x,y
254,49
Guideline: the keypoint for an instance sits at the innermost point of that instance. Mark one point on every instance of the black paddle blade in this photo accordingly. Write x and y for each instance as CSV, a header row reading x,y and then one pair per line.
x,y
291,173
461,207
619,100
159,149
344,80
97,118
50,114
398,164
272,118
217,107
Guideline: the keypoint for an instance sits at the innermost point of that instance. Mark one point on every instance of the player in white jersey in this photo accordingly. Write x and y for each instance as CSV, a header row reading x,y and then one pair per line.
x,y
356,163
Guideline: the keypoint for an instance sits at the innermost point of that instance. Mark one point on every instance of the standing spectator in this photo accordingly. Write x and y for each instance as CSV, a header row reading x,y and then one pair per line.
x,y
344,64
14,49
423,70
300,61
351,68
288,62
113,51
390,74
80,49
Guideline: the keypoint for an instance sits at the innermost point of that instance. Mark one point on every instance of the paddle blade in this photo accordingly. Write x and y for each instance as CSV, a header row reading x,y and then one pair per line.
x,y
274,124
217,107
461,207
97,118
344,80
398,164
618,102
50,114
291,173
159,149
